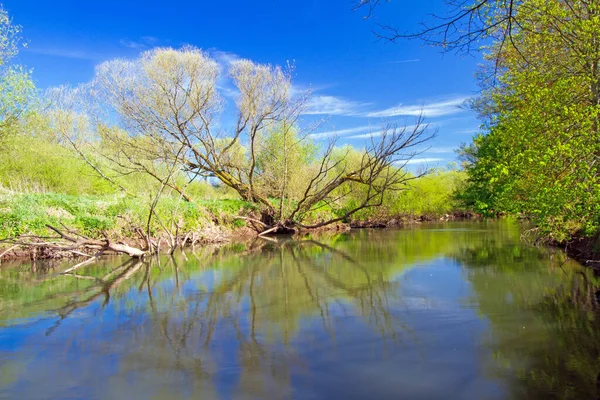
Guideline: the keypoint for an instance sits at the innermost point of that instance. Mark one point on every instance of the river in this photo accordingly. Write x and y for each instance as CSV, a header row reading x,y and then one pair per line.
x,y
463,310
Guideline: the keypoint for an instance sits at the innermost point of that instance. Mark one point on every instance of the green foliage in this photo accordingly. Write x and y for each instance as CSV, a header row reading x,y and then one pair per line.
x,y
39,164
203,190
29,213
228,206
284,162
432,196
540,155
17,92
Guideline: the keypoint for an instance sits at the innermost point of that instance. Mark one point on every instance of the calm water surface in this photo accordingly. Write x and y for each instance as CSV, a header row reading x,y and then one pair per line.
x,y
448,311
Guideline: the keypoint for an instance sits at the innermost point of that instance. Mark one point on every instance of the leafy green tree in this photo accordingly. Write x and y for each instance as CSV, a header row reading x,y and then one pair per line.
x,y
541,80
540,155
285,160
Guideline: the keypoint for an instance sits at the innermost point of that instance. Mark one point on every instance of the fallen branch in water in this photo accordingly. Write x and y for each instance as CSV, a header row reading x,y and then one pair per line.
x,y
77,244
67,243
7,251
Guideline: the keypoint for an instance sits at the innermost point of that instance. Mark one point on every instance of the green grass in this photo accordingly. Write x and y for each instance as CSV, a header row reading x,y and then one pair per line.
x,y
22,214
31,164
29,213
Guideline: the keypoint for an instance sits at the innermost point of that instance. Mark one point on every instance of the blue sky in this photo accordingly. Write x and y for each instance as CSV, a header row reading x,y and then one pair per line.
x,y
359,83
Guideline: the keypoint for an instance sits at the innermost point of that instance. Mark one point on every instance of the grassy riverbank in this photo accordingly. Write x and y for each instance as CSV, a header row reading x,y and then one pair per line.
x,y
119,216
29,213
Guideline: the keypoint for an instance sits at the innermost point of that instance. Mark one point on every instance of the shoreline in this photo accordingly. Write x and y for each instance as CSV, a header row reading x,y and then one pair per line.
x,y
223,234
585,251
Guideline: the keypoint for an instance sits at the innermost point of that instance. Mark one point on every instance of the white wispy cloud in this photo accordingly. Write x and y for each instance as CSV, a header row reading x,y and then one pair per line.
x,y
331,105
367,135
224,58
377,130
144,42
299,89
468,131
381,132
340,132
65,53
130,44
422,160
440,150
437,109
405,61
390,127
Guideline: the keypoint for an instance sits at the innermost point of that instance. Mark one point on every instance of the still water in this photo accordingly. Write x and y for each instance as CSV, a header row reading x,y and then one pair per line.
x,y
448,311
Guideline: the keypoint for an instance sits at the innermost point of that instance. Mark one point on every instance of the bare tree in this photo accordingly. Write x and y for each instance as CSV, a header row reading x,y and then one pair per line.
x,y
462,28
169,99
381,168
165,109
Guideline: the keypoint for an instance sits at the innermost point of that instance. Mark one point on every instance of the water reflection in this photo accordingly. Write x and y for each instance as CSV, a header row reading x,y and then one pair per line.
x,y
459,310
544,320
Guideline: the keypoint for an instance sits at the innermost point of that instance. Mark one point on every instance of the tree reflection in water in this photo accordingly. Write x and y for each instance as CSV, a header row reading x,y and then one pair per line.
x,y
277,318
262,304
544,319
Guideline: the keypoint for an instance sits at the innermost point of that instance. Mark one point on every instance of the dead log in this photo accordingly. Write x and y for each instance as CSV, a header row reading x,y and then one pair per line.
x,y
78,244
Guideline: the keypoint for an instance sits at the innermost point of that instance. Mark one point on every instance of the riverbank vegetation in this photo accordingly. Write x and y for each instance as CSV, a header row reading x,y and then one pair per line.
x,y
23,213
153,150
540,108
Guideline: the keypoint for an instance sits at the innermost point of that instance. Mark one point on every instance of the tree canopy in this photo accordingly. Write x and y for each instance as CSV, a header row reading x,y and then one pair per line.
x,y
162,115
540,157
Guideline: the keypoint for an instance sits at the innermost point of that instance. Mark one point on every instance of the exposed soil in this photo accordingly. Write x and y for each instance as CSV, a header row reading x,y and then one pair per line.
x,y
585,250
